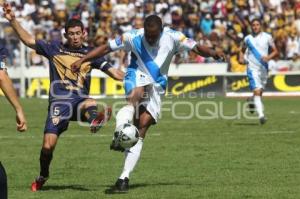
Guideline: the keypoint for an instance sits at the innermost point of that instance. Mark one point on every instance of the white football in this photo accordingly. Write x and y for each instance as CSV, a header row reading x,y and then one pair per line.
x,y
126,135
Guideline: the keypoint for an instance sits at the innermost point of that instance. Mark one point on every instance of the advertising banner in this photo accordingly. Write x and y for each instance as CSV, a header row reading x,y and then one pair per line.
x,y
277,85
228,85
202,84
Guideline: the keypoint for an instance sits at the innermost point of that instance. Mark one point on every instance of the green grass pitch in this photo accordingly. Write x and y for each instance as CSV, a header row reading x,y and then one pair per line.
x,y
216,158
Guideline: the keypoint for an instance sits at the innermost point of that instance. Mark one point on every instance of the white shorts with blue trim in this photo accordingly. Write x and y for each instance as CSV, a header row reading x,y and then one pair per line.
x,y
152,99
135,78
257,78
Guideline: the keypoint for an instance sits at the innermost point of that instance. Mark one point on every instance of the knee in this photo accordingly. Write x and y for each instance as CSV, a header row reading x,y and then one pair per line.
x,y
257,92
48,147
89,103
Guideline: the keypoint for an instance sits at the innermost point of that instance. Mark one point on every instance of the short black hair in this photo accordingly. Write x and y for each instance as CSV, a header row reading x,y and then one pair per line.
x,y
153,20
254,20
73,23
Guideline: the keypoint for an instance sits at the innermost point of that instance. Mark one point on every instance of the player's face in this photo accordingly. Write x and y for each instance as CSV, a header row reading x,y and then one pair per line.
x,y
75,37
255,27
152,34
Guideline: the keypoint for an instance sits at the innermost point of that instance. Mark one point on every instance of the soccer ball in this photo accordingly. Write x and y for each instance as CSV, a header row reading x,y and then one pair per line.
x,y
126,135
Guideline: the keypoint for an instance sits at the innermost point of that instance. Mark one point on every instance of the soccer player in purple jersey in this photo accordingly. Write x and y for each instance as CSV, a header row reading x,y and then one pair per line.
x,y
69,90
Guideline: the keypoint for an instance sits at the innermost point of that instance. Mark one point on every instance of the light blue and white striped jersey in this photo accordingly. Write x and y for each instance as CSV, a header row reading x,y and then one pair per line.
x,y
257,47
152,60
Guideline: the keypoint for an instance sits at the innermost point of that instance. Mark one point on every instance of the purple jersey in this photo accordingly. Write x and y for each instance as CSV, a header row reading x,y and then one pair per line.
x,y
64,83
3,55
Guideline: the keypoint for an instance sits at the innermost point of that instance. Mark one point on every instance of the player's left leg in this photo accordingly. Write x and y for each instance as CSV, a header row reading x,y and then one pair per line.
x,y
3,183
56,123
96,119
46,155
132,155
258,80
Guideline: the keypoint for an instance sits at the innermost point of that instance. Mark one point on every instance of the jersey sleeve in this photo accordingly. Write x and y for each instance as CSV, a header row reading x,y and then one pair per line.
x,y
3,55
120,42
101,64
2,65
45,48
182,42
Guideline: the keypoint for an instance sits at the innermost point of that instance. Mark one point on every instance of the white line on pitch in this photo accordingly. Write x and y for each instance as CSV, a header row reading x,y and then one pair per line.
x,y
263,133
274,132
67,136
294,112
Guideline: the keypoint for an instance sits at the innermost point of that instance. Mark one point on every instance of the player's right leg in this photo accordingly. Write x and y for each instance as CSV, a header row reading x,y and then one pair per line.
x,y
56,123
126,113
134,84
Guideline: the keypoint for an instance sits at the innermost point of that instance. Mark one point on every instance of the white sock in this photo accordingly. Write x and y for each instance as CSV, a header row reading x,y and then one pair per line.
x,y
259,106
125,115
131,158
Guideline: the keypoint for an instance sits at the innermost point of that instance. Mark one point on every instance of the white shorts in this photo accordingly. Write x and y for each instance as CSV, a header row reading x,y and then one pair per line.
x,y
257,78
152,100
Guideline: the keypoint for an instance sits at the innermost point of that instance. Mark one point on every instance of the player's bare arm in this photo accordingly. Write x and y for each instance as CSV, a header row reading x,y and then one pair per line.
x,y
241,58
207,52
7,87
272,55
115,73
95,53
26,38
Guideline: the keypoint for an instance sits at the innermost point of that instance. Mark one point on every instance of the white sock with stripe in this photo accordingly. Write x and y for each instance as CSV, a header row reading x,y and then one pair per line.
x,y
132,156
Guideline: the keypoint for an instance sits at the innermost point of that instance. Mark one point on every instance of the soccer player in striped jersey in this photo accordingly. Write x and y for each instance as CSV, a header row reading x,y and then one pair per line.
x,y
255,53
152,49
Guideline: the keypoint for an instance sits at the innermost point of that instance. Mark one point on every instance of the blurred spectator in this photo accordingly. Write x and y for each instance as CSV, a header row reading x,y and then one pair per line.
x,y
292,46
277,65
295,63
29,8
206,24
138,23
206,6
214,23
55,33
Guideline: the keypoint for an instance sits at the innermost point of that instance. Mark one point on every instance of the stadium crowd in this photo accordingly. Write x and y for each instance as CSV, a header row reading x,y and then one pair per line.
x,y
216,23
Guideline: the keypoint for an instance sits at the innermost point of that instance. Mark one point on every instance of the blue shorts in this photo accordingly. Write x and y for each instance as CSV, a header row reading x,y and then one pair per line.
x,y
60,112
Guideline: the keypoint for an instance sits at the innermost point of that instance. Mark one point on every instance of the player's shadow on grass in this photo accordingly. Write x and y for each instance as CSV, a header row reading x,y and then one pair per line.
x,y
111,189
65,187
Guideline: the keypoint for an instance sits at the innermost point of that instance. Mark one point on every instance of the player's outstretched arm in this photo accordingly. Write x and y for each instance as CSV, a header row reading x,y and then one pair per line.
x,y
95,53
10,93
115,73
26,38
207,52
